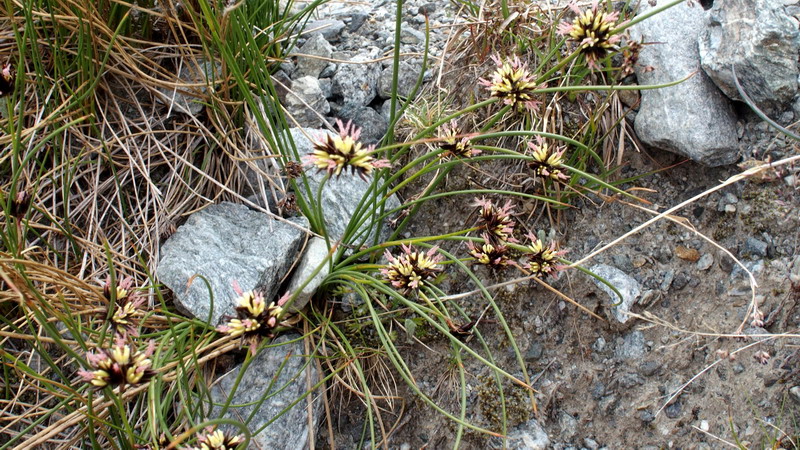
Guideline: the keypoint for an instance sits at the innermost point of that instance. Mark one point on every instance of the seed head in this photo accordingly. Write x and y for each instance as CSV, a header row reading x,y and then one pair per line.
x,y
127,305
214,439
254,318
488,254
342,152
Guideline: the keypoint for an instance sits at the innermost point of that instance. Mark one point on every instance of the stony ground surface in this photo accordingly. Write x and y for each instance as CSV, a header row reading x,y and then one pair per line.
x,y
656,383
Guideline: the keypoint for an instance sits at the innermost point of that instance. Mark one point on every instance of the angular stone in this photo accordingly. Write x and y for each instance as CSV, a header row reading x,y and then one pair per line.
x,y
317,47
694,118
278,374
372,123
357,83
315,253
341,195
761,41
223,243
407,77
330,29
625,284
527,436
306,102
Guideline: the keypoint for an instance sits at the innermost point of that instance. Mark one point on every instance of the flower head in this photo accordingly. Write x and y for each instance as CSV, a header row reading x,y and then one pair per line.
x,y
254,318
8,77
546,160
412,268
496,221
594,31
542,259
127,306
488,254
452,144
512,82
20,204
336,153
214,439
119,365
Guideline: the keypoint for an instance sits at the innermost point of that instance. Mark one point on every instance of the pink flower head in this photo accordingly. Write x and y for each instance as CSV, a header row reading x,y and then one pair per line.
x,y
496,221
547,161
542,259
454,142
513,83
343,151
411,268
594,31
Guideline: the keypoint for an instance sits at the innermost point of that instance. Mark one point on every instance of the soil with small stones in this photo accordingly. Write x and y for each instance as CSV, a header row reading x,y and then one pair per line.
x,y
682,373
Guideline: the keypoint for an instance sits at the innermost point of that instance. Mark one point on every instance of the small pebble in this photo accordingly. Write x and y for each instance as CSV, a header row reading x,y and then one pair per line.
x,y
795,393
673,411
705,262
738,368
704,425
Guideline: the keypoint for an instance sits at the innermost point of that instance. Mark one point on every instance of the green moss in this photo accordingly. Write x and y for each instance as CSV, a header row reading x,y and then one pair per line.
x,y
517,400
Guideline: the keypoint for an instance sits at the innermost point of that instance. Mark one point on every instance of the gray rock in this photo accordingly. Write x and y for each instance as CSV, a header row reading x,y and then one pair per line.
x,y
283,381
357,84
568,425
535,352
330,29
407,77
306,102
625,284
223,243
674,410
755,247
631,347
409,35
591,444
317,47
599,345
694,118
528,436
760,40
705,262
794,393
341,195
315,253
191,102
649,368
373,125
